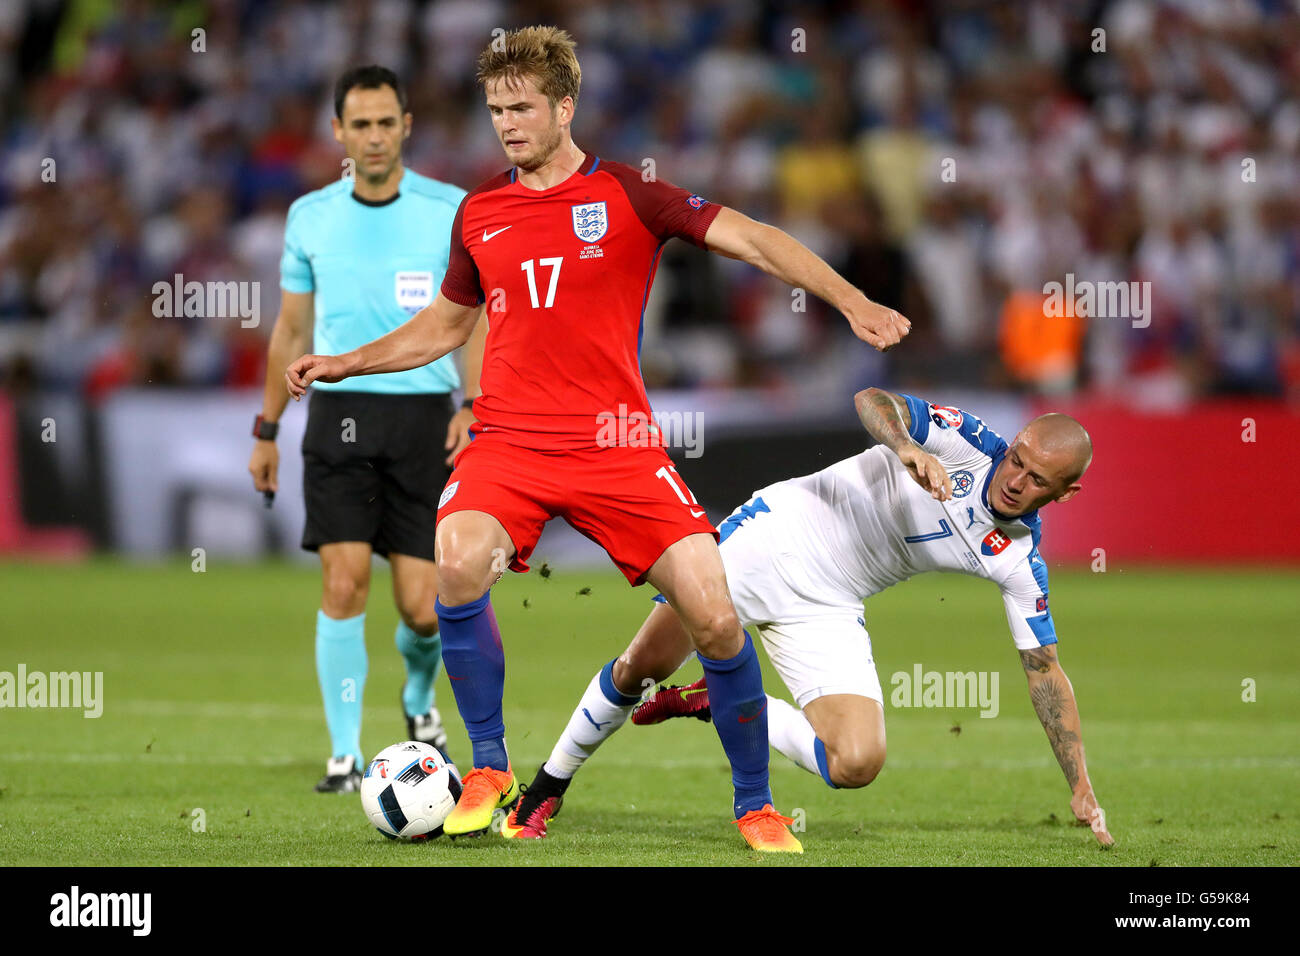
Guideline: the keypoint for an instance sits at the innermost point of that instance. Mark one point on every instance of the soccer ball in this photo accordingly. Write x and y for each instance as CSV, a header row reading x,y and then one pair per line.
x,y
408,790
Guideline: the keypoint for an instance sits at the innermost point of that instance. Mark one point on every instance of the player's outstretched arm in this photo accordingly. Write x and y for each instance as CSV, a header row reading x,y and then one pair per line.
x,y
1053,699
430,334
779,254
886,418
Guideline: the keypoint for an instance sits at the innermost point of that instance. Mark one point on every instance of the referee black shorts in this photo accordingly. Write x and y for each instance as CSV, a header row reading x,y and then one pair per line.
x,y
373,469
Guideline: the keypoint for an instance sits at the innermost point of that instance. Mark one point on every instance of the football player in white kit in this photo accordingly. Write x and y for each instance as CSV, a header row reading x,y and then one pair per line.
x,y
940,492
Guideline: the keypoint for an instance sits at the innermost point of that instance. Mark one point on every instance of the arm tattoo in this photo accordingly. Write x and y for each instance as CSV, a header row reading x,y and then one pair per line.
x,y
1051,703
880,415
1038,660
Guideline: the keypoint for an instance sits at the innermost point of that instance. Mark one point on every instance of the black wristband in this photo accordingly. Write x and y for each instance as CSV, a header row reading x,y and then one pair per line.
x,y
468,403
264,430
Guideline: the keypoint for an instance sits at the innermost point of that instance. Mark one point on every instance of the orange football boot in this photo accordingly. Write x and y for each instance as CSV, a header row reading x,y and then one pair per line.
x,y
765,830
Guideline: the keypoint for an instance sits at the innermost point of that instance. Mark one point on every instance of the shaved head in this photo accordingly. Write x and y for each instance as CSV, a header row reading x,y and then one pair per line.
x,y
1065,440
1043,463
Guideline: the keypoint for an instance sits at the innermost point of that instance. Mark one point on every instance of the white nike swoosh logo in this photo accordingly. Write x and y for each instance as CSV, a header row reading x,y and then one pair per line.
x,y
487,236
696,514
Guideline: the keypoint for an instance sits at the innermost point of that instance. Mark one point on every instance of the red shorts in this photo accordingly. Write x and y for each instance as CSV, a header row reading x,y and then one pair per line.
x,y
629,500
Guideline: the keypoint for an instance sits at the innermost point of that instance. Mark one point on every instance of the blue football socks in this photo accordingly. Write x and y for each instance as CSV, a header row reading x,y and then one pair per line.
x,y
476,666
740,717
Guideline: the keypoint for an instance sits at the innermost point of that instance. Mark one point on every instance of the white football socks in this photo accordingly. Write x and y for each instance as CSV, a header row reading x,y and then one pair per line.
x,y
790,734
594,720
597,717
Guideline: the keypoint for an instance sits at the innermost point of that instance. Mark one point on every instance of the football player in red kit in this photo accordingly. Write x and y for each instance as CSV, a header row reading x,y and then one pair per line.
x,y
563,248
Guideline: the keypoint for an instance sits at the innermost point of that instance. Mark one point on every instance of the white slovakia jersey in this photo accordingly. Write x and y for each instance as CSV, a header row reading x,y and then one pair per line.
x,y
836,537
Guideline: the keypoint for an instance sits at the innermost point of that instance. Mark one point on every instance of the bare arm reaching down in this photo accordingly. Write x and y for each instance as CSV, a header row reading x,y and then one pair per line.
x,y
290,337
430,334
1053,699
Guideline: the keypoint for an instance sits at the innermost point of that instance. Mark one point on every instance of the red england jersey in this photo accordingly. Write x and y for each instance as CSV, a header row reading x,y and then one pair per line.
x,y
565,272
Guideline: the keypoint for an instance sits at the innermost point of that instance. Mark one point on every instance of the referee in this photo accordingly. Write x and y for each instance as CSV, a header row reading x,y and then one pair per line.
x,y
361,256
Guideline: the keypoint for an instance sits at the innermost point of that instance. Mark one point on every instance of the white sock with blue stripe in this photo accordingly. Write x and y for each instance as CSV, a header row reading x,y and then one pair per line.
x,y
790,734
602,710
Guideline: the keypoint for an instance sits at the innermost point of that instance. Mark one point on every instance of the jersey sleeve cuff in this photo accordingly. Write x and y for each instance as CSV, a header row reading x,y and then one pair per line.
x,y
702,222
919,411
296,286
460,297
1043,628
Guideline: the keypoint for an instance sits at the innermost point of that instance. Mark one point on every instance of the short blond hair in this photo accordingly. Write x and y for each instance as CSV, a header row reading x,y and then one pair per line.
x,y
543,53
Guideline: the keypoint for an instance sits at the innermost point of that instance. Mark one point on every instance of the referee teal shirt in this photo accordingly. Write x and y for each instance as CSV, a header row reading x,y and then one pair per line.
x,y
372,266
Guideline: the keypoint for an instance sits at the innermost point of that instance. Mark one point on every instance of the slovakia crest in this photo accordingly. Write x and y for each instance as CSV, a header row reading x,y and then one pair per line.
x,y
994,542
590,221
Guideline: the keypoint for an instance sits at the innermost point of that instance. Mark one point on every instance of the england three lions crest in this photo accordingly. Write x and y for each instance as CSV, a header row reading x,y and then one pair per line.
x,y
590,221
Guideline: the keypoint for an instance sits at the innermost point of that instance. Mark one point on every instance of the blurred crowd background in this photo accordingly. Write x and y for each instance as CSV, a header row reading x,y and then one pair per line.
x,y
949,158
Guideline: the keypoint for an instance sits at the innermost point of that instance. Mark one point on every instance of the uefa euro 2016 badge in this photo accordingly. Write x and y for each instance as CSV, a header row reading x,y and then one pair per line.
x,y
590,221
946,416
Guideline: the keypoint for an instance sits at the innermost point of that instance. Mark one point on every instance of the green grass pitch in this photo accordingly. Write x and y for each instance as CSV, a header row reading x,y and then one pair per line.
x,y
211,705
